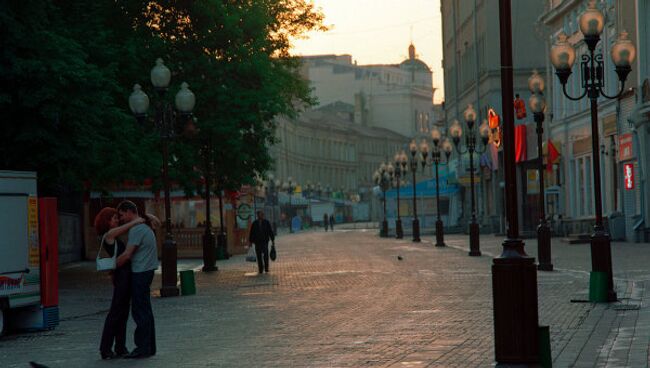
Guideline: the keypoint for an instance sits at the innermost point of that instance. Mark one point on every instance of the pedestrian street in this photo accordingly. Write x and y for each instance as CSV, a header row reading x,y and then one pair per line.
x,y
338,299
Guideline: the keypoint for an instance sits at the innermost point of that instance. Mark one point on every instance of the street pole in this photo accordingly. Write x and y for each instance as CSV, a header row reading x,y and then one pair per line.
x,y
440,236
399,232
209,250
474,245
543,230
514,275
414,168
435,158
537,105
169,251
222,245
563,56
470,142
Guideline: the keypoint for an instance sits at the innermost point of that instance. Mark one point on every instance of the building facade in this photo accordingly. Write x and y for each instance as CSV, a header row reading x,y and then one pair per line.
x,y
324,146
472,75
622,123
397,97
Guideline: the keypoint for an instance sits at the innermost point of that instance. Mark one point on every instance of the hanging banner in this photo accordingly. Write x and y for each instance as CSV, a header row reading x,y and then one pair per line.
x,y
625,151
520,143
628,176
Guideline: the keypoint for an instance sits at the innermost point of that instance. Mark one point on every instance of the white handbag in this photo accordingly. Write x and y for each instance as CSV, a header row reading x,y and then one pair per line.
x,y
106,264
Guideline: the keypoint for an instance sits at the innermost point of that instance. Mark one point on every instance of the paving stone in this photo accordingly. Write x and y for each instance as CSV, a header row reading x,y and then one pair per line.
x,y
343,299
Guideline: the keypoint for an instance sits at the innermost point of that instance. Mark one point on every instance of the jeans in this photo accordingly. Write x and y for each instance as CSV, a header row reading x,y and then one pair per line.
x,y
115,324
145,332
262,249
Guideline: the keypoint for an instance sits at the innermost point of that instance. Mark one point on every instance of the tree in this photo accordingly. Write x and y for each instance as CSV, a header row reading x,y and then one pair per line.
x,y
67,67
235,55
58,100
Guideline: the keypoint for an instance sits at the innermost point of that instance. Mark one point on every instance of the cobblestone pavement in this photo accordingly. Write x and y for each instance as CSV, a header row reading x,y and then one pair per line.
x,y
344,299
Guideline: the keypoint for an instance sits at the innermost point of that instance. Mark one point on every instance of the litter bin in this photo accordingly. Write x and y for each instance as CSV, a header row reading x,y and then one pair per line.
x,y
187,282
617,226
598,287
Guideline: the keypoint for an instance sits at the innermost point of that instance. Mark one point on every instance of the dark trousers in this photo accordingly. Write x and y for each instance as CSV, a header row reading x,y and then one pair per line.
x,y
118,315
262,249
145,332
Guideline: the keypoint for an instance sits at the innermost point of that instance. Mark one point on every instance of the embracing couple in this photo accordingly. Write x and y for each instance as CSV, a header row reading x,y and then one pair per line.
x,y
137,259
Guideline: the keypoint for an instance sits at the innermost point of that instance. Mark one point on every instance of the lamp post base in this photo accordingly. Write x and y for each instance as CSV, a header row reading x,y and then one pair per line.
x,y
416,230
384,229
544,247
169,274
209,252
601,260
514,293
474,244
440,236
399,232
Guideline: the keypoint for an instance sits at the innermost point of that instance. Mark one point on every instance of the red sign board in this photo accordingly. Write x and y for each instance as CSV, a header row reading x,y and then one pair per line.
x,y
628,176
625,151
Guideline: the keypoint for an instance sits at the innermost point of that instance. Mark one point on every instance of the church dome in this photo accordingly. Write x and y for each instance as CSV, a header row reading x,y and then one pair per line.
x,y
413,63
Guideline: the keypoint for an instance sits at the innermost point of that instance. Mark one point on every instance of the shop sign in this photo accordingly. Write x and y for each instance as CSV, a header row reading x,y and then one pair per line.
x,y
628,176
244,211
625,151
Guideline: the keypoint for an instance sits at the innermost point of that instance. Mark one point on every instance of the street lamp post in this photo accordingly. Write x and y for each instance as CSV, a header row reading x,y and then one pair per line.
x,y
456,131
382,179
414,168
209,246
538,105
436,136
165,118
289,186
400,170
271,197
563,56
514,275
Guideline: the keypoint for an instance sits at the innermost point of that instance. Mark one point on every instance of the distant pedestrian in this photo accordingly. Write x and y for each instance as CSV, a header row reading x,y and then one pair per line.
x,y
325,221
260,234
332,222
141,250
108,229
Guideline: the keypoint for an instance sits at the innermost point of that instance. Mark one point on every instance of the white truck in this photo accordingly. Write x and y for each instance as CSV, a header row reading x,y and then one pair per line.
x,y
20,259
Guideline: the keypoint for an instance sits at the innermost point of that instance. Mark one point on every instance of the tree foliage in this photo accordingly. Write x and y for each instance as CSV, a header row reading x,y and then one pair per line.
x,y
67,67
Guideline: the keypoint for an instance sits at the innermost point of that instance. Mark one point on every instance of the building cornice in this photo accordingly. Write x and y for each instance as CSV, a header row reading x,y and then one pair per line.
x,y
558,11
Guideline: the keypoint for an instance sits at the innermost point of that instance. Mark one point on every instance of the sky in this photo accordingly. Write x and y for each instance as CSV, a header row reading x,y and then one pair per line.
x,y
379,32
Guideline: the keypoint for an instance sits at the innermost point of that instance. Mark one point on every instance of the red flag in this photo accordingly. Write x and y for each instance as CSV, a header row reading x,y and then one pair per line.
x,y
520,108
520,143
553,154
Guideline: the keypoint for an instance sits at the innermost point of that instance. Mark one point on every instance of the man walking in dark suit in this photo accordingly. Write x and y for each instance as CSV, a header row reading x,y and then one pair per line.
x,y
261,232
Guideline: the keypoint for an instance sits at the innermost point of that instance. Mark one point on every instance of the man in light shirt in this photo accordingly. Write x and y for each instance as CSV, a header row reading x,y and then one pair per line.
x,y
141,250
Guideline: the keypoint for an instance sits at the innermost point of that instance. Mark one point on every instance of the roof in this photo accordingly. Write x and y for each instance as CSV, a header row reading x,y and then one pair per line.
x,y
414,64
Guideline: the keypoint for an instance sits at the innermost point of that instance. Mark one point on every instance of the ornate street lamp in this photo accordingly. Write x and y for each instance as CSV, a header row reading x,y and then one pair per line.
x,y
563,56
446,147
537,104
456,131
382,179
400,170
413,148
289,186
165,119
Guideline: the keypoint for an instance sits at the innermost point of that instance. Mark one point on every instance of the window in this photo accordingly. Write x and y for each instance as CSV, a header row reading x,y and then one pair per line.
x,y
583,204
